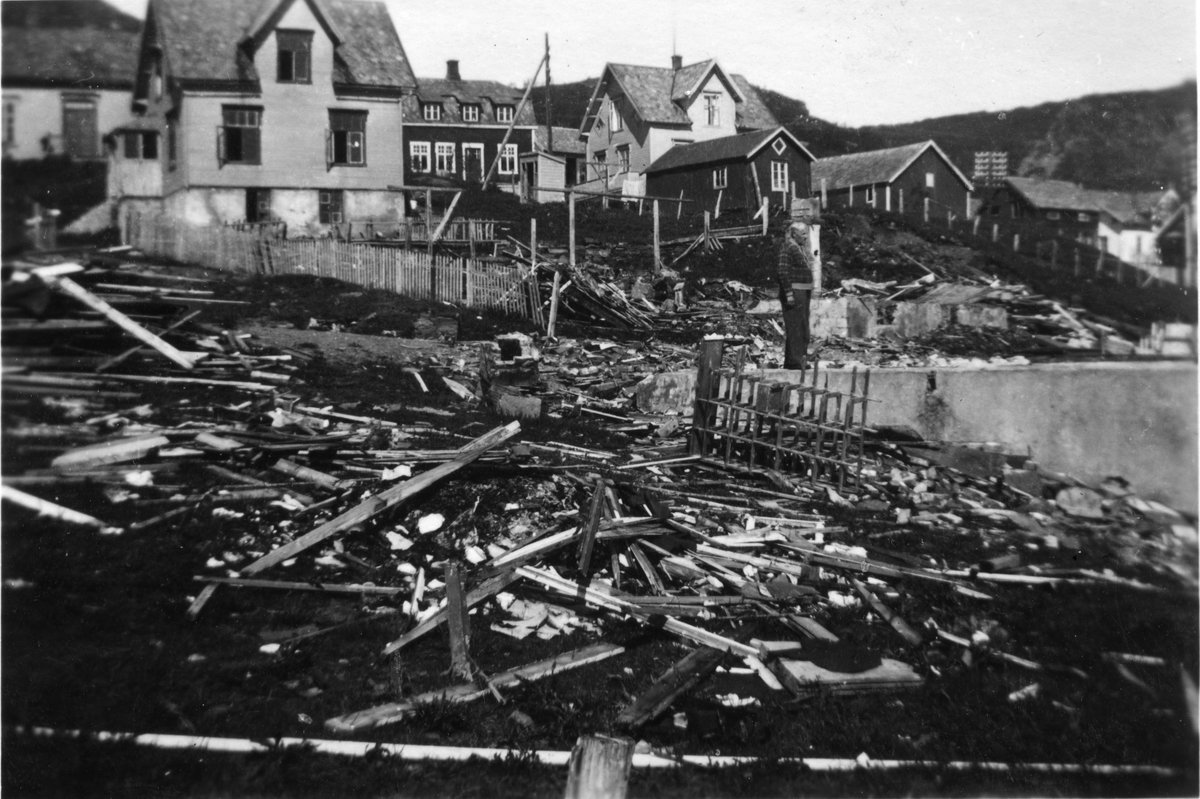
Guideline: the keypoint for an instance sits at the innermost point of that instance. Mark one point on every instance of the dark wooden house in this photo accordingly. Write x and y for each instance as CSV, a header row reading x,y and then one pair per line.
x,y
908,179
740,170
1059,205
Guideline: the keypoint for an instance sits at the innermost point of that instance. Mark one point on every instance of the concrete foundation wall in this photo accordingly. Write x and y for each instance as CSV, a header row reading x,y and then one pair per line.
x,y
1134,420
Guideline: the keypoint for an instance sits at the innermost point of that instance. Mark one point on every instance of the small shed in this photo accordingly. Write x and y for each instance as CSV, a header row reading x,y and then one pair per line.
x,y
734,171
556,162
905,179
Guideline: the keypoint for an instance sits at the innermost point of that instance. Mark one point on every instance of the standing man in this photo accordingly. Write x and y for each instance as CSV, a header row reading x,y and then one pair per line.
x,y
796,284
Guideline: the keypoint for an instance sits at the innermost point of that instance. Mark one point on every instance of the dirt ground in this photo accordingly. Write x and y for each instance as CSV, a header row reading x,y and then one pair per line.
x,y
95,639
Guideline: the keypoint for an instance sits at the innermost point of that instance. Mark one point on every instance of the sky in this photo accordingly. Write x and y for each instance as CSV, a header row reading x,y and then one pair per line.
x,y
854,62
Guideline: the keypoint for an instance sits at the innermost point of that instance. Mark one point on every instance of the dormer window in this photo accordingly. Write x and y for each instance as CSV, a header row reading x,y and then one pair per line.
x,y
712,109
294,61
470,113
431,112
504,113
615,120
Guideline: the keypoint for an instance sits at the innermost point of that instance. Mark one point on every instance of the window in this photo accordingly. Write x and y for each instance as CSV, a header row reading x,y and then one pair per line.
x,y
80,133
779,147
504,113
258,205
779,176
294,63
241,136
172,124
600,164
869,195
1053,215
615,120
431,112
721,177
929,180
418,156
445,158
141,146
472,161
347,138
1085,217
623,158
330,207
10,123
712,109
508,160
470,113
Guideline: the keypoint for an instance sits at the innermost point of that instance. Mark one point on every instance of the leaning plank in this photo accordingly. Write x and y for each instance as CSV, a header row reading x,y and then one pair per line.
x,y
73,289
286,585
485,589
887,614
394,711
389,498
700,636
49,509
677,680
599,768
117,359
120,451
802,677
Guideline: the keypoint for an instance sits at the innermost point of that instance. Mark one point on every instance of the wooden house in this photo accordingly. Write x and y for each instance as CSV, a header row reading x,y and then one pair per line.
x,y
68,68
734,171
274,109
557,162
454,128
638,113
908,179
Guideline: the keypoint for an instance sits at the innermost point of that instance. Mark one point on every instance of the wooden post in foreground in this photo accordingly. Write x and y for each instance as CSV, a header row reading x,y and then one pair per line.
x,y
429,243
460,633
706,380
707,225
533,241
766,207
557,272
657,245
599,768
975,226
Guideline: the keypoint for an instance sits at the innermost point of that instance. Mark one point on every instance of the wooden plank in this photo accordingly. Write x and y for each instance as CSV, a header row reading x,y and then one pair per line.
x,y
485,589
285,585
78,292
437,234
647,568
119,451
898,623
588,540
317,478
117,359
395,711
805,678
460,633
49,509
673,683
599,768
388,498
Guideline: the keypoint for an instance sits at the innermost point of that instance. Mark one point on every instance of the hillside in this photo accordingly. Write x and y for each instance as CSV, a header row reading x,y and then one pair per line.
x,y
1128,140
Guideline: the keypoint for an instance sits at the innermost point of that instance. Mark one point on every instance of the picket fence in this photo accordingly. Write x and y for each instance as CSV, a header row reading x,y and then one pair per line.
x,y
412,273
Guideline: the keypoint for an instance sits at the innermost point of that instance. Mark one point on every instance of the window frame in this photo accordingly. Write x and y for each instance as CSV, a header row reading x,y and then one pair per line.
x,y
508,154
304,38
930,180
444,149
505,112
478,148
721,177
262,197
1053,215
779,175
142,140
616,120
622,158
431,112
1084,216
325,212
470,112
10,122
869,194
347,132
712,109
414,148
224,139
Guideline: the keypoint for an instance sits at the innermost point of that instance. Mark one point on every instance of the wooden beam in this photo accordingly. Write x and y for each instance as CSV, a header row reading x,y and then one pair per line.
x,y
437,234
673,683
118,359
485,589
73,289
516,115
588,540
898,624
389,498
460,631
599,768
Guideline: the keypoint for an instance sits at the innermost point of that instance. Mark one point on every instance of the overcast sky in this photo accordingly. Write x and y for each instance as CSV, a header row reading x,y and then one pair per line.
x,y
855,62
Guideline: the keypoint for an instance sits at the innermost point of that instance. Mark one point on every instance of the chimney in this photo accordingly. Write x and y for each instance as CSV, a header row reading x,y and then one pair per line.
x,y
676,62
452,70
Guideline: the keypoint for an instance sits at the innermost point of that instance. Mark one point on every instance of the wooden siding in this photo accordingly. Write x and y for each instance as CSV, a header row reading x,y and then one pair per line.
x,y
1004,204
458,135
947,194
636,136
696,182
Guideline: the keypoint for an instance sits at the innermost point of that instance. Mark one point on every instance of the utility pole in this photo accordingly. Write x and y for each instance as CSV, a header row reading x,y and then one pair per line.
x,y
549,102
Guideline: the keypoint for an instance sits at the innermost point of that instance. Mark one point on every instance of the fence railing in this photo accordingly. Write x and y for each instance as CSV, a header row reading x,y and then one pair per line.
x,y
458,231
412,273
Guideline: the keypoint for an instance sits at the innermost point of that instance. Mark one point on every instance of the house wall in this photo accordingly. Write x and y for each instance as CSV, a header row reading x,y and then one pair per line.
x,y
1131,245
1004,204
696,183
38,116
299,208
551,173
636,135
947,194
490,137
799,173
701,130
133,177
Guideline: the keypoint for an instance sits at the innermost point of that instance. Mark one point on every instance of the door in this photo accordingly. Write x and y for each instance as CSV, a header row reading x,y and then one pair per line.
x,y
473,162
80,138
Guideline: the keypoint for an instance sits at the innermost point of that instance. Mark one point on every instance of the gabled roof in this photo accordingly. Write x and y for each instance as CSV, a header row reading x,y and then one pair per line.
x,y
566,140
656,93
875,166
271,12
742,147
73,58
64,14
201,41
1053,194
487,94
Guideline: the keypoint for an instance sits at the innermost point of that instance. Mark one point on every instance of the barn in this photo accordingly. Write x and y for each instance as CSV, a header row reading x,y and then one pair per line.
x,y
915,179
734,171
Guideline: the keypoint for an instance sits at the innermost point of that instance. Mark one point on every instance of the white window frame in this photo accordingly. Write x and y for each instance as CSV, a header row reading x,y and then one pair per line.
x,y
444,158
505,113
420,149
470,112
615,119
929,180
1084,216
721,177
431,112
508,160
622,158
779,176
712,109
869,195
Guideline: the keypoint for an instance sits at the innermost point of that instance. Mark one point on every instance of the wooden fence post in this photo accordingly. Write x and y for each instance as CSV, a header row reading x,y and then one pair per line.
x,y
599,768
995,232
657,251
429,243
950,220
679,208
1100,264
460,632
1016,242
766,207
1054,254
1078,263
707,223
975,226
926,210
533,241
